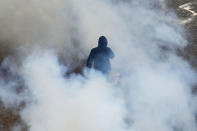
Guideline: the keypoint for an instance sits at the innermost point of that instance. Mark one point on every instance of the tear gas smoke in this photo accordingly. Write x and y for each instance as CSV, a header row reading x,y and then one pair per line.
x,y
154,89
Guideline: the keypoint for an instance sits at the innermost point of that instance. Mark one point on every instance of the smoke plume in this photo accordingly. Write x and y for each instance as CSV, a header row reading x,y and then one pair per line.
x,y
47,39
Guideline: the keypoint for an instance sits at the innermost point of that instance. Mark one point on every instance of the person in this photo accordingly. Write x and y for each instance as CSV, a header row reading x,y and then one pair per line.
x,y
100,56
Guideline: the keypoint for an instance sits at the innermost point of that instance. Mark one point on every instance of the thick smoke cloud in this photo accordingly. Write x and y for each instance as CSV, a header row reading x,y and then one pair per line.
x,y
154,87
71,104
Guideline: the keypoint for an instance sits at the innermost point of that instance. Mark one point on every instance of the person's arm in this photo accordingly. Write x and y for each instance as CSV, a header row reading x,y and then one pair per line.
x,y
90,60
111,54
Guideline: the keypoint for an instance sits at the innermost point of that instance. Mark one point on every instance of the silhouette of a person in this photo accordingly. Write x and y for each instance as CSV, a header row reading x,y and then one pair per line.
x,y
100,56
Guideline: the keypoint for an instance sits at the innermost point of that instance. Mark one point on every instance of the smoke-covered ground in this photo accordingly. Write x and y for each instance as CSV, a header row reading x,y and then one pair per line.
x,y
44,85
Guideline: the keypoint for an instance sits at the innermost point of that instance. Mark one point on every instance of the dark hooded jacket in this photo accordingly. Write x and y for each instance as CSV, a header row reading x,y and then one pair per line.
x,y
99,56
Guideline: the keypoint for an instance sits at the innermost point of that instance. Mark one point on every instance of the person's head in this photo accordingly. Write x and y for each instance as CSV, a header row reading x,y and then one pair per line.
x,y
102,41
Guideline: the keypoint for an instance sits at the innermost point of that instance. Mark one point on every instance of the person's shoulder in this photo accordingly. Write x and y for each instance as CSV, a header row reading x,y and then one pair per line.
x,y
94,49
108,48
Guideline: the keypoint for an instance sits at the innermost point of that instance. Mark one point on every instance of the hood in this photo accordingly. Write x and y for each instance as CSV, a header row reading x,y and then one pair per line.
x,y
102,42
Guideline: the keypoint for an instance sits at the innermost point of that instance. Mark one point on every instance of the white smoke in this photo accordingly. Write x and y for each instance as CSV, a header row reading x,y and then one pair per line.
x,y
69,104
154,88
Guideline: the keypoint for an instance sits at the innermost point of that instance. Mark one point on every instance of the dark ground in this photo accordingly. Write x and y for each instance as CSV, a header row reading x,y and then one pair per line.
x,y
8,117
190,51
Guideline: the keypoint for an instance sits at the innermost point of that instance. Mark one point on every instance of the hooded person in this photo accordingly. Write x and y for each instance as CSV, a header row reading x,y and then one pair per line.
x,y
99,57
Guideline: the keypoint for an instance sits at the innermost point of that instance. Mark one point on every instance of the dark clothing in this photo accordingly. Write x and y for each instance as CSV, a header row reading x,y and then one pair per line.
x,y
99,57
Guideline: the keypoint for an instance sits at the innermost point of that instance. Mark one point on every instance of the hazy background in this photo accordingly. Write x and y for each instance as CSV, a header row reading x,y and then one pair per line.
x,y
41,41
